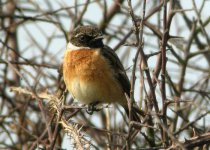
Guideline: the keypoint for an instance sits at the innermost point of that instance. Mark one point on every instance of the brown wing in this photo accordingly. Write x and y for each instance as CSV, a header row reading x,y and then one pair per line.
x,y
121,76
118,68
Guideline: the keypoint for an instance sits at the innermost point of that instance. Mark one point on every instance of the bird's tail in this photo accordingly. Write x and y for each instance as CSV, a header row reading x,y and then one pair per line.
x,y
135,113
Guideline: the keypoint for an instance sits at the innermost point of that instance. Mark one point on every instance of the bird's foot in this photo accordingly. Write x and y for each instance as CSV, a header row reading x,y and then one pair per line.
x,y
92,107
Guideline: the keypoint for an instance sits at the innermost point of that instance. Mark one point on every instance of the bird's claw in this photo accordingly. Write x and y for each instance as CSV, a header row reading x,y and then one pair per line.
x,y
91,108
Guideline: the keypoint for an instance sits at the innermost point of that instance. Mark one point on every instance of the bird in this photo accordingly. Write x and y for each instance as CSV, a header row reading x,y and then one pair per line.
x,y
93,73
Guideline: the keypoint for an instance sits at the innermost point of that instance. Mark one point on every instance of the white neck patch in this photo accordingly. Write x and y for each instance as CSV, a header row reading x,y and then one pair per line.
x,y
71,47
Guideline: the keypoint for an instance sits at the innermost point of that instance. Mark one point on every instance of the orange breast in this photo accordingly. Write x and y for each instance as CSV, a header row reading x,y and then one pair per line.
x,y
89,77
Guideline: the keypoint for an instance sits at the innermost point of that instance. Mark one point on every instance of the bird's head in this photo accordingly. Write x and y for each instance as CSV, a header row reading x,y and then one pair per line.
x,y
87,36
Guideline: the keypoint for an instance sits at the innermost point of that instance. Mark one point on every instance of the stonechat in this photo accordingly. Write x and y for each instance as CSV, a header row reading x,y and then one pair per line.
x,y
93,72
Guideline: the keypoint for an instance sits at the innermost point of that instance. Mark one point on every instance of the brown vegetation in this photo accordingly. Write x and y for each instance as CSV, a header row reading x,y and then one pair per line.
x,y
164,45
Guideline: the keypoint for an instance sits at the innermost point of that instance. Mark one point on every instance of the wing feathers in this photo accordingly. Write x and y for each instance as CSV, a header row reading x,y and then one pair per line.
x,y
118,68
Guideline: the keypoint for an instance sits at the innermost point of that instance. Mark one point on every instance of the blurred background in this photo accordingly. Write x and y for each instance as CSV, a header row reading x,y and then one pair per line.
x,y
164,46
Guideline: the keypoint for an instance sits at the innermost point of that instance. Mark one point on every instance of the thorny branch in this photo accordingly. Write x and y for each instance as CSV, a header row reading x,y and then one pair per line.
x,y
165,52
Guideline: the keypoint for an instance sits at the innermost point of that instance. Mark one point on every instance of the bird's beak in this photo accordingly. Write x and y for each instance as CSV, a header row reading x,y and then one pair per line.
x,y
98,38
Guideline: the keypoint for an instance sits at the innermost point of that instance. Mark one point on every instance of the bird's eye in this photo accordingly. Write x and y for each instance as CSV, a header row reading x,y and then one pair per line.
x,y
82,38
100,33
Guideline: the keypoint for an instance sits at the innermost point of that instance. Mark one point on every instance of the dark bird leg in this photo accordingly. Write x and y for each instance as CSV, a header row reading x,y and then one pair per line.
x,y
92,107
